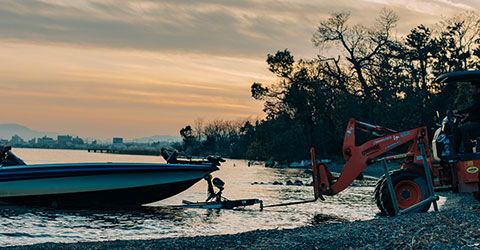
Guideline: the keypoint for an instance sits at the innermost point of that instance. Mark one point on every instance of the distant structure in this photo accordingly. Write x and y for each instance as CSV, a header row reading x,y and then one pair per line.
x,y
64,140
17,140
77,141
71,142
117,140
45,141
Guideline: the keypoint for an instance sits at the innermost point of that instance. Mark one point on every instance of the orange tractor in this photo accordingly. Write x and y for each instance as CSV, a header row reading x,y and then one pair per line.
x,y
424,168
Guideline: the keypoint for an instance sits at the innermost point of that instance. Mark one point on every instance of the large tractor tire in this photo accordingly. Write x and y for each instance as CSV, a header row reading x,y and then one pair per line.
x,y
409,186
377,195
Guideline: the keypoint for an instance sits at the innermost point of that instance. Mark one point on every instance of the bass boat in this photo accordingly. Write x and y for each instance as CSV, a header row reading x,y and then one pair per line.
x,y
98,184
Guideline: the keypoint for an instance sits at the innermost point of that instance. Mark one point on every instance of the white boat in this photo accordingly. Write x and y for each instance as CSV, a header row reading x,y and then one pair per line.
x,y
97,184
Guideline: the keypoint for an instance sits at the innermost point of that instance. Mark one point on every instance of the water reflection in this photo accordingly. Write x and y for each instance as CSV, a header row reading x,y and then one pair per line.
x,y
43,217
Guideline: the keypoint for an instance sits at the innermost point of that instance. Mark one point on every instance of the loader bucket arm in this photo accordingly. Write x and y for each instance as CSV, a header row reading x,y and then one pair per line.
x,y
359,157
321,176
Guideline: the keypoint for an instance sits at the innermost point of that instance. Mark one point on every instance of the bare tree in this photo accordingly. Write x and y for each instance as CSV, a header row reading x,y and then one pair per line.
x,y
359,45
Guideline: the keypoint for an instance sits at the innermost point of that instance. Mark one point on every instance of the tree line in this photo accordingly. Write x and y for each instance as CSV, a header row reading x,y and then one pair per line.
x,y
362,72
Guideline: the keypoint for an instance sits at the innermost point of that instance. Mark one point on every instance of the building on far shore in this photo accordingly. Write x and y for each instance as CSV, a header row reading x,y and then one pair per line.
x,y
71,142
64,140
17,140
117,140
46,141
77,141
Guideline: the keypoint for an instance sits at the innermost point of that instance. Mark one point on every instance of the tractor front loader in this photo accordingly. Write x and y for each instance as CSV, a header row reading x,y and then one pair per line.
x,y
411,187
409,182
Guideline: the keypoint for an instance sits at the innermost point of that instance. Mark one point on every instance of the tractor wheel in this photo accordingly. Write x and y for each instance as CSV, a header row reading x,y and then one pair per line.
x,y
377,195
410,188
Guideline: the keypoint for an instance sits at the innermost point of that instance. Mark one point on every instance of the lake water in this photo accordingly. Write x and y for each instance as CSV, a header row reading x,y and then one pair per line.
x,y
26,225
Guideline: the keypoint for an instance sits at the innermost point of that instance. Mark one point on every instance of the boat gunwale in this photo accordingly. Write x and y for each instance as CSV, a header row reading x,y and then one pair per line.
x,y
42,171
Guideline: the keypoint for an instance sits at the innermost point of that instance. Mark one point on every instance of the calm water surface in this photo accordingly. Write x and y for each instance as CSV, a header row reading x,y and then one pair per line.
x,y
26,225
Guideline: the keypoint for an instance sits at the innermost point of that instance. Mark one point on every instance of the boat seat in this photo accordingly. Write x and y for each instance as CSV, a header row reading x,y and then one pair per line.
x,y
215,159
170,155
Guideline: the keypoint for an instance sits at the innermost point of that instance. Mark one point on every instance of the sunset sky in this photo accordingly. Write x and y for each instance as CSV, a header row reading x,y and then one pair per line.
x,y
131,69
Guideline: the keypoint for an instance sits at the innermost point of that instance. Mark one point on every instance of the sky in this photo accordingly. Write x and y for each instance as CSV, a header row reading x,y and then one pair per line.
x,y
132,69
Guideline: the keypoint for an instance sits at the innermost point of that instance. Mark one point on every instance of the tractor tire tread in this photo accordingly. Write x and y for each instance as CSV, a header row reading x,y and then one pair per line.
x,y
396,176
378,202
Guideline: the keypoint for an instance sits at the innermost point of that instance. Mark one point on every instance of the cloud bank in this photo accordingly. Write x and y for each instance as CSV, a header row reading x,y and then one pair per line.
x,y
104,68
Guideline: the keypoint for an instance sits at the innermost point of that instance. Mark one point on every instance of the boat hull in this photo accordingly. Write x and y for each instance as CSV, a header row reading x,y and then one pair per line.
x,y
96,184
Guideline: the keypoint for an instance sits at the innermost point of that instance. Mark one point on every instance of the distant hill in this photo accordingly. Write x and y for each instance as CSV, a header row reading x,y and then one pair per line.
x,y
9,130
156,138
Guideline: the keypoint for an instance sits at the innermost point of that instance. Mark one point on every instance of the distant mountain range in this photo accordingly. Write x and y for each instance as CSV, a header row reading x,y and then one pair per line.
x,y
9,130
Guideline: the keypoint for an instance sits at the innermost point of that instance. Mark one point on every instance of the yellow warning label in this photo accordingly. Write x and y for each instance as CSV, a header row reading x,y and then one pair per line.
x,y
472,170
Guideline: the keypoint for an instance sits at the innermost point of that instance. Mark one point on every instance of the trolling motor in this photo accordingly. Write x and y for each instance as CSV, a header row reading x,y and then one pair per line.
x,y
211,192
216,200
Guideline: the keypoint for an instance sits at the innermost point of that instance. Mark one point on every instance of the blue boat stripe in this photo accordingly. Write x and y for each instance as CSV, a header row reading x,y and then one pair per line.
x,y
63,170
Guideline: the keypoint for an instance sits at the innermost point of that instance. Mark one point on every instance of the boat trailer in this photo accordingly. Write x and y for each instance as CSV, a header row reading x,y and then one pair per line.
x,y
215,200
322,177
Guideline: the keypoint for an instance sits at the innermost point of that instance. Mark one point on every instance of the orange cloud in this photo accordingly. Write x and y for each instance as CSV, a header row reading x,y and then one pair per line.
x,y
82,90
